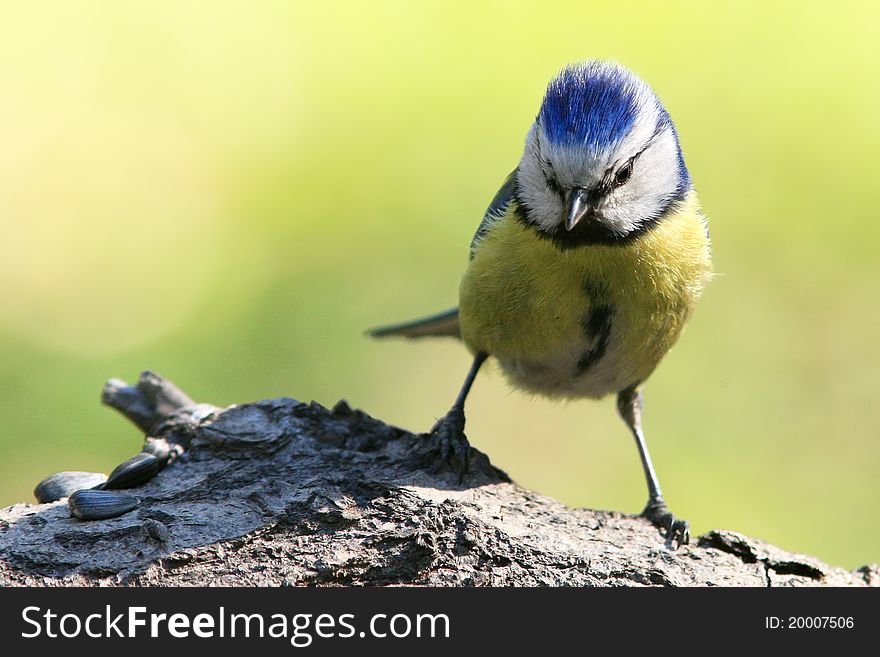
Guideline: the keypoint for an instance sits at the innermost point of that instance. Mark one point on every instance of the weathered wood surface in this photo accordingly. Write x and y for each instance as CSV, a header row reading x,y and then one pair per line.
x,y
284,493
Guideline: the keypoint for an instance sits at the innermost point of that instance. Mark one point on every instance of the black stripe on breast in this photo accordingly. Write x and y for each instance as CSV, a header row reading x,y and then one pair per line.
x,y
596,325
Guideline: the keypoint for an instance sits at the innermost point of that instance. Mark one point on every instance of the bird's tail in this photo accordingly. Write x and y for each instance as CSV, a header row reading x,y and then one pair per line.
x,y
443,324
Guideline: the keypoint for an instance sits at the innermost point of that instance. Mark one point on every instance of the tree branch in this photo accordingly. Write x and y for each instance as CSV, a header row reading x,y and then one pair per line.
x,y
281,492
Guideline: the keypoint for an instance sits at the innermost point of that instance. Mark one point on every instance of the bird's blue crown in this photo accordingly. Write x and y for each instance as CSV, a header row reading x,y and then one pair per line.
x,y
591,105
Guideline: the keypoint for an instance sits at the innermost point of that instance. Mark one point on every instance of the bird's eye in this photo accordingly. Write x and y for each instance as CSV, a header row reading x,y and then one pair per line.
x,y
552,184
623,174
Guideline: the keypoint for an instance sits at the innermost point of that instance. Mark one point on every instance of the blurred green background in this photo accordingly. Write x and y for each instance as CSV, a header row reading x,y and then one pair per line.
x,y
229,193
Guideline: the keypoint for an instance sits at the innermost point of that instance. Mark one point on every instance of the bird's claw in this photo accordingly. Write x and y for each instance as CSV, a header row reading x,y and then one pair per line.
x,y
677,531
451,450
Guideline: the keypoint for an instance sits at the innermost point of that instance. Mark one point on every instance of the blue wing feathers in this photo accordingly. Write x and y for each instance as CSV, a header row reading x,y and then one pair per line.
x,y
496,209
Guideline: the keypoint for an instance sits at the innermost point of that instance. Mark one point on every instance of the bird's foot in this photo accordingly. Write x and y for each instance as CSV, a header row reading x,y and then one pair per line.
x,y
451,450
677,531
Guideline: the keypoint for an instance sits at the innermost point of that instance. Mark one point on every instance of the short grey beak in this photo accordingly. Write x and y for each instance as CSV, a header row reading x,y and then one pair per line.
x,y
576,206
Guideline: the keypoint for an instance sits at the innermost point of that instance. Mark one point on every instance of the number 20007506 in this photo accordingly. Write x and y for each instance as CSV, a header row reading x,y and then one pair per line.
x,y
808,622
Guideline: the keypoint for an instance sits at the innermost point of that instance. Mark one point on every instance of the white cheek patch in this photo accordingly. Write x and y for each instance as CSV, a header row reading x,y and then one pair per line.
x,y
653,185
545,206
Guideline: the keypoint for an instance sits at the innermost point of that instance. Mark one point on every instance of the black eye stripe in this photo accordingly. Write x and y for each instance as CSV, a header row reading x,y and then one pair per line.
x,y
622,176
608,180
554,186
550,177
613,178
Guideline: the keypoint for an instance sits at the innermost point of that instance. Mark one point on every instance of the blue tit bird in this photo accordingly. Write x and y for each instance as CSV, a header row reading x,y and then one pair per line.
x,y
587,263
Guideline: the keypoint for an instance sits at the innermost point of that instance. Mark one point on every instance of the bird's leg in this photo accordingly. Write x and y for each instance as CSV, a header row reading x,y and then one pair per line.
x,y
629,403
452,449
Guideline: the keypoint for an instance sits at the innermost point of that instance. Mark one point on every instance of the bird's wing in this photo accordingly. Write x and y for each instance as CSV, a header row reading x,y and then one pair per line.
x,y
443,324
496,210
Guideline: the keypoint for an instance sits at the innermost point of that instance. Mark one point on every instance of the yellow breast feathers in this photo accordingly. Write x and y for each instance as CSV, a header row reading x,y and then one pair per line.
x,y
587,320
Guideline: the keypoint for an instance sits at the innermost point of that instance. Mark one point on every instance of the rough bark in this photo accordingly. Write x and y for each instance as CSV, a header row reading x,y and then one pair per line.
x,y
281,492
